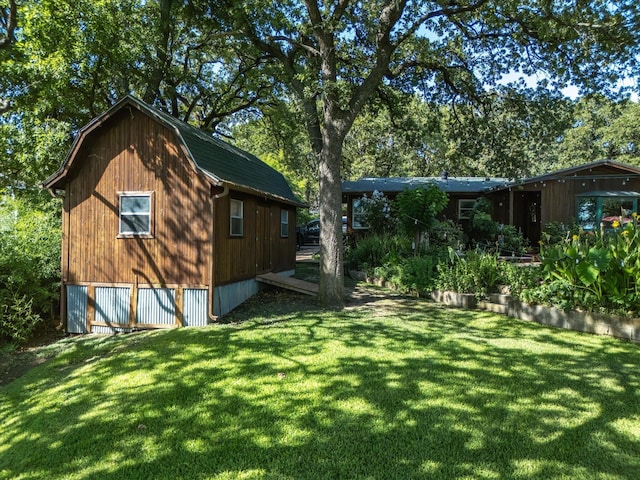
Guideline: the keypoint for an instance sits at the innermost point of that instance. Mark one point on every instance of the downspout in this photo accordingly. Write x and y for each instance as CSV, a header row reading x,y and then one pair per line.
x,y
212,280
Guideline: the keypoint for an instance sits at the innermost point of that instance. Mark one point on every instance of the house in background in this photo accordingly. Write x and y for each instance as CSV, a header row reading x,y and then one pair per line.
x,y
462,191
164,225
587,195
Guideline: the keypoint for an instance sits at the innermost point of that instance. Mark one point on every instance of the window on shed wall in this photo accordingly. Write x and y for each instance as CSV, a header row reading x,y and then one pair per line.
x,y
358,215
284,223
237,218
135,213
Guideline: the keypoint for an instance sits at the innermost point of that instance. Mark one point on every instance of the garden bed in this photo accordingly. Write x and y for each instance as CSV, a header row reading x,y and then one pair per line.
x,y
590,322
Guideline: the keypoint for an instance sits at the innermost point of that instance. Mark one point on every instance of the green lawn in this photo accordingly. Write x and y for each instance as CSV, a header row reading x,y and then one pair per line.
x,y
397,389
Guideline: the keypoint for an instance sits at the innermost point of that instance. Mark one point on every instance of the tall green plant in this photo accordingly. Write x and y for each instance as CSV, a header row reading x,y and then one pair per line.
x,y
596,271
417,209
29,266
473,272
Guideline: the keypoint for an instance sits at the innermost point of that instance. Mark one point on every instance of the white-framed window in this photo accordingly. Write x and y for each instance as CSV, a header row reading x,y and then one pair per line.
x,y
465,208
284,223
135,213
237,218
358,214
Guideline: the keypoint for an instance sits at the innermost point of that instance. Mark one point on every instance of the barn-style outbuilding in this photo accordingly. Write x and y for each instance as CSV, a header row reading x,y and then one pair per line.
x,y
165,225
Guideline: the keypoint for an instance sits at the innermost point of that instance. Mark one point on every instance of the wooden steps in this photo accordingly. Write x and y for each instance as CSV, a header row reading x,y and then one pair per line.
x,y
289,283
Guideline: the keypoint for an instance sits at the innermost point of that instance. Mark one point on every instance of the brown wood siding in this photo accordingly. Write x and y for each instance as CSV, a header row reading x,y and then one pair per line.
x,y
283,249
133,153
558,198
261,248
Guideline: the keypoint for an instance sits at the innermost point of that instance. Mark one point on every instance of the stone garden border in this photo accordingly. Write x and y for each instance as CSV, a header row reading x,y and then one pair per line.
x,y
598,323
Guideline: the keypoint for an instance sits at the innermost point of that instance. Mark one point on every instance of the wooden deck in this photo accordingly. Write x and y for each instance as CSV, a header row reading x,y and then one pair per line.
x,y
289,283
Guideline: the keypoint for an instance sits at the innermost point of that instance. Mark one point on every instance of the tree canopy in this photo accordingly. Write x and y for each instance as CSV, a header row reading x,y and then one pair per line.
x,y
327,65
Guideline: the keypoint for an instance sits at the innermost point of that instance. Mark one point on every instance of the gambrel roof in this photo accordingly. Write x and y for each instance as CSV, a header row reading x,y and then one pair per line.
x,y
221,163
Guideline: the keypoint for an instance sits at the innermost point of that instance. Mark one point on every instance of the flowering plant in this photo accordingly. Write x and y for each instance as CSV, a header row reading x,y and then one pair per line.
x,y
600,271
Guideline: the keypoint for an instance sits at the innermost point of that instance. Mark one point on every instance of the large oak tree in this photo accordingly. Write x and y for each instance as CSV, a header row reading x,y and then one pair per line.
x,y
335,55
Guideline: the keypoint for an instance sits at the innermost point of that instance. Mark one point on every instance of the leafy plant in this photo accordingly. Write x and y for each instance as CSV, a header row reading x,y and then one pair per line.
x,y
376,250
595,271
471,272
377,213
417,209
415,274
520,277
29,266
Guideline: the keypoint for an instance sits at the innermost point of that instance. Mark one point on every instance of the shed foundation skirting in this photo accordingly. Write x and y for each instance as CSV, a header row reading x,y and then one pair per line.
x,y
228,297
124,308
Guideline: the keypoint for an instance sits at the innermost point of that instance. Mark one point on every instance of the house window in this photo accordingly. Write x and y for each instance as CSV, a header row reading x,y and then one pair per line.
x,y
605,207
465,208
135,213
284,223
358,215
237,218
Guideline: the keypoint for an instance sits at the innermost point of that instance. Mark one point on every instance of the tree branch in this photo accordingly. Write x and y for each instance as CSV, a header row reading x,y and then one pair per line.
x,y
8,22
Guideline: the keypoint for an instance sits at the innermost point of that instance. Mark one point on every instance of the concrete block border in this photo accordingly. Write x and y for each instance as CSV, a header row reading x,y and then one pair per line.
x,y
600,324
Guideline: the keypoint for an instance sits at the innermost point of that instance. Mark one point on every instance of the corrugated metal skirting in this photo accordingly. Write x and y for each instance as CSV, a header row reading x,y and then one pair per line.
x,y
195,307
76,309
112,305
156,306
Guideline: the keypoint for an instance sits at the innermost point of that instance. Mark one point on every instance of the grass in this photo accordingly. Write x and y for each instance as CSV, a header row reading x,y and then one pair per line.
x,y
399,389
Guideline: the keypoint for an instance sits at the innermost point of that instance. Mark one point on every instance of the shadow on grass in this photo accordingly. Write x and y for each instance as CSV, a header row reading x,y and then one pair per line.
x,y
287,391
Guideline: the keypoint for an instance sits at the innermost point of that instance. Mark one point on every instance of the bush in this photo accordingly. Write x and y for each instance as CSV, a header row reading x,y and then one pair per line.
x,y
597,271
472,272
375,251
510,240
415,274
520,278
29,266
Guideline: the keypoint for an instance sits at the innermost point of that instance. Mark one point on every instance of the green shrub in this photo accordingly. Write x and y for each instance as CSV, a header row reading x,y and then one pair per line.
x,y
510,240
594,271
446,233
520,277
29,266
375,251
471,272
415,274
558,232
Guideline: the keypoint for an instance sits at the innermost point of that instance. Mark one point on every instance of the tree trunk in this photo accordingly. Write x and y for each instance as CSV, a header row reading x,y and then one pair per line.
x,y
331,291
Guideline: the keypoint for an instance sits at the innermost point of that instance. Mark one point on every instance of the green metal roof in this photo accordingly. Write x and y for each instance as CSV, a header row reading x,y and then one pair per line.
x,y
219,161
461,185
229,164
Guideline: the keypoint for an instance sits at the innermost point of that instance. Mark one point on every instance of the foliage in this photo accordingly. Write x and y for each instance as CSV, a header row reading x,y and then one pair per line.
x,y
471,272
414,274
416,209
446,233
520,278
602,128
510,240
397,135
594,271
377,213
377,250
29,266
558,232
514,134
483,228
